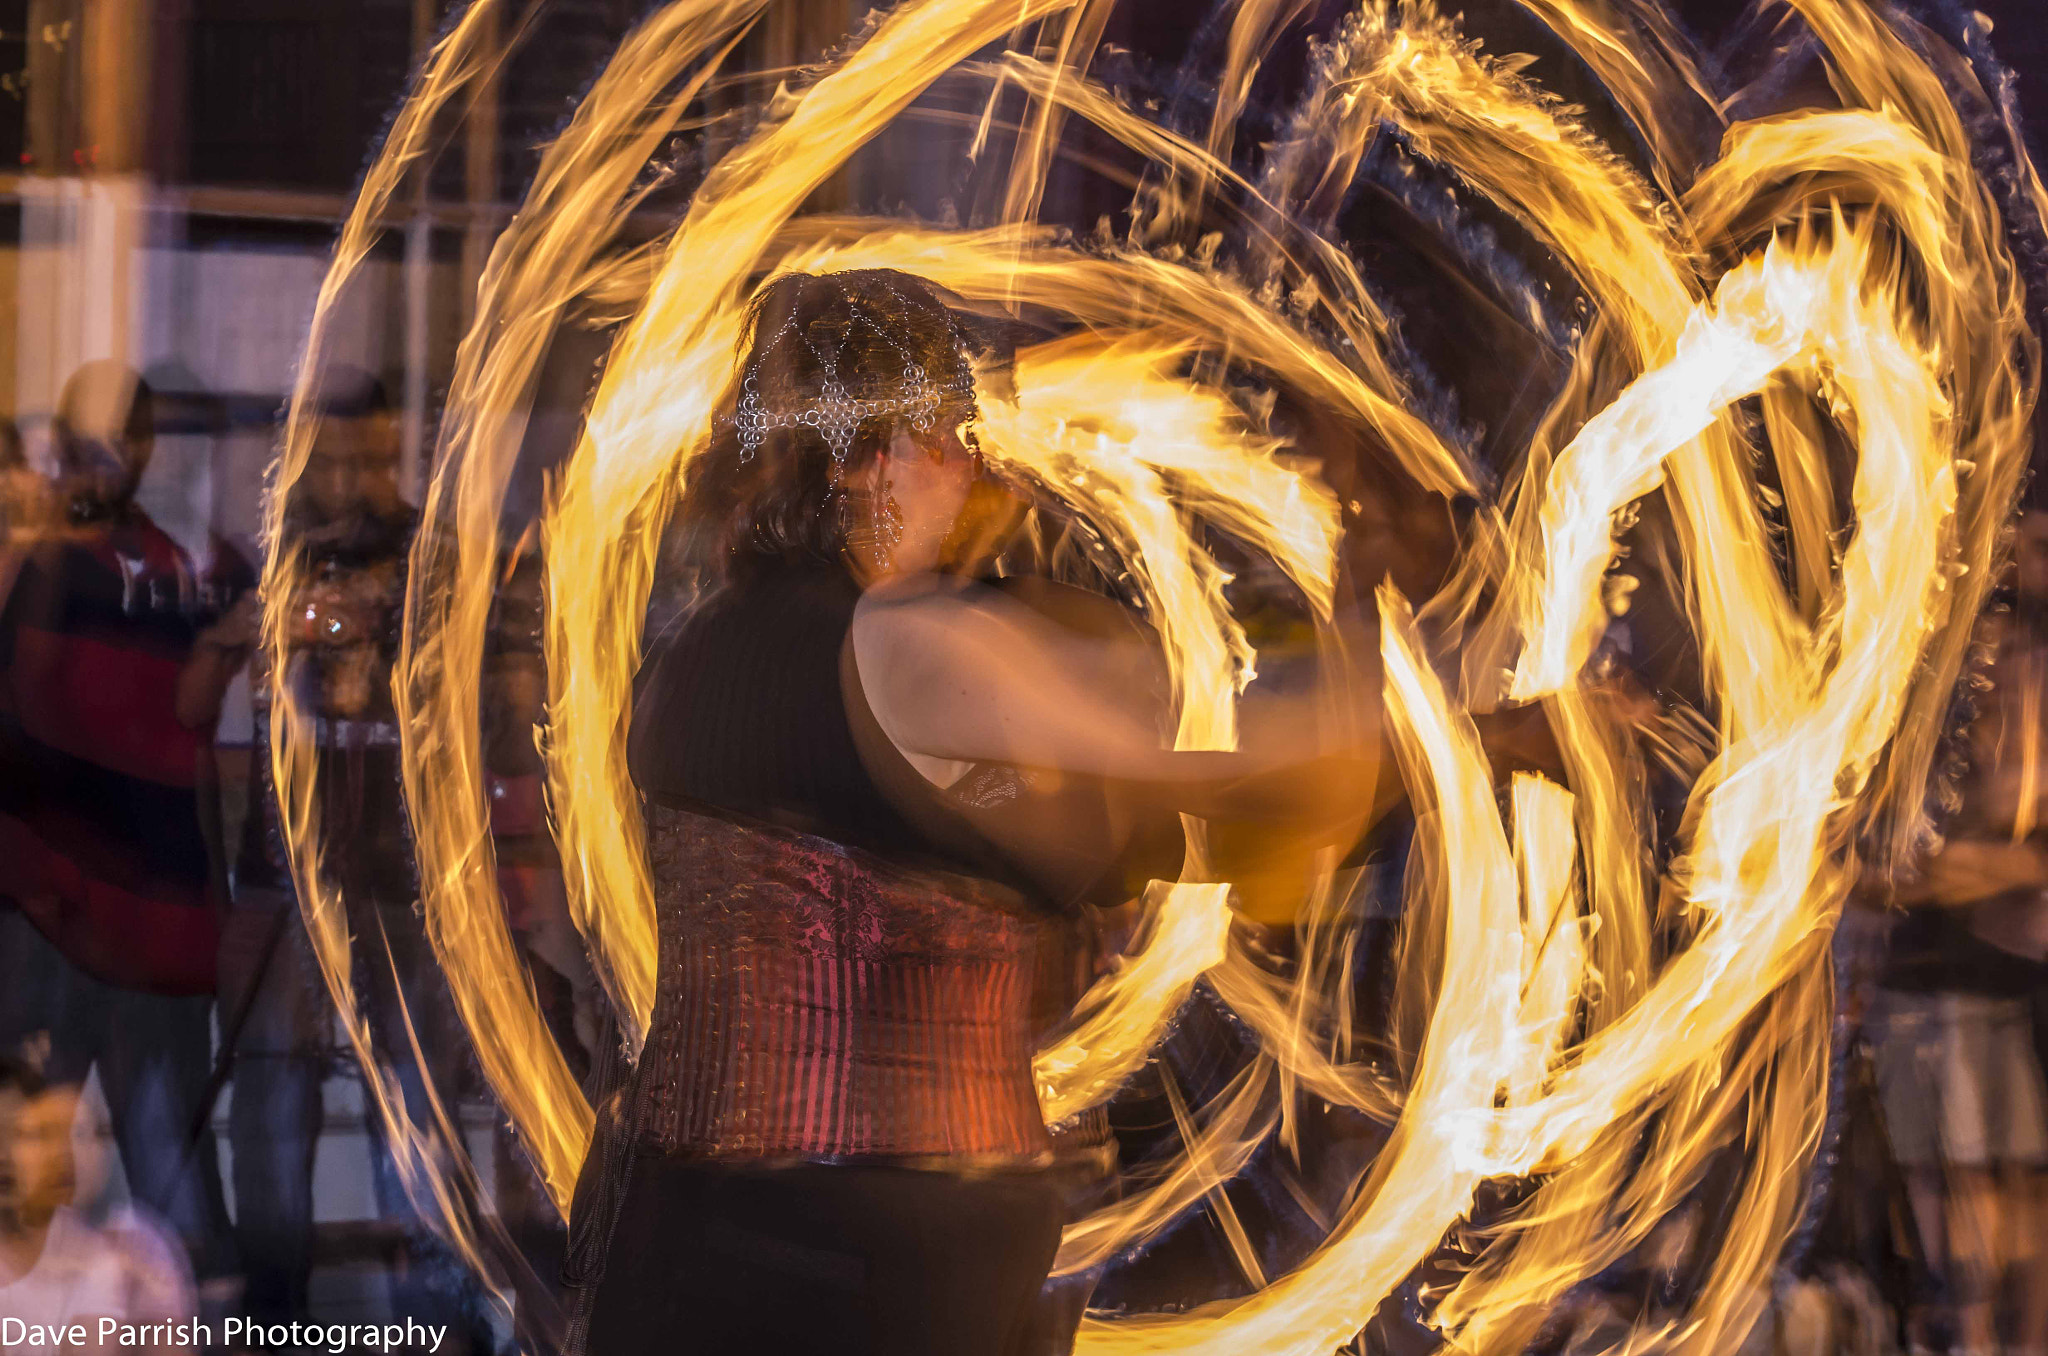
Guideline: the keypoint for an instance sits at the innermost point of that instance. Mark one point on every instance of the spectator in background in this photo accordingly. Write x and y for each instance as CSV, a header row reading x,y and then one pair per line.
x,y
345,518
1962,1083
109,930
350,531
529,868
58,1266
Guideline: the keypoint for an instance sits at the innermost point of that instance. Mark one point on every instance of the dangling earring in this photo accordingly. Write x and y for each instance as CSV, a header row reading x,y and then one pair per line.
x,y
873,528
888,519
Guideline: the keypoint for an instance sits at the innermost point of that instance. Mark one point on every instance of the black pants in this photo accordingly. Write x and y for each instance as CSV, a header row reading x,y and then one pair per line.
x,y
850,1261
269,976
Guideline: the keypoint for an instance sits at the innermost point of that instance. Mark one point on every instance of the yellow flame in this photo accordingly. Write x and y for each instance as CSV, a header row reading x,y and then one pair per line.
x,y
1546,852
1846,268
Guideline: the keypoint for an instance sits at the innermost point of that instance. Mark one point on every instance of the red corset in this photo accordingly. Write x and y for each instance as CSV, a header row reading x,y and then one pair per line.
x,y
814,1002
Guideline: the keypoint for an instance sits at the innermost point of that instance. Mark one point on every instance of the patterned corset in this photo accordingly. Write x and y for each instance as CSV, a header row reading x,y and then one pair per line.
x,y
815,1002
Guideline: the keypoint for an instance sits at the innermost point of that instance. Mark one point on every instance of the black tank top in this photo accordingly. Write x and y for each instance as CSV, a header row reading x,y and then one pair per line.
x,y
743,709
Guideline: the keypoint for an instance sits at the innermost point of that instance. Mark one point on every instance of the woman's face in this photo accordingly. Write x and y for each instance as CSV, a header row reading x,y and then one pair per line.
x,y
929,484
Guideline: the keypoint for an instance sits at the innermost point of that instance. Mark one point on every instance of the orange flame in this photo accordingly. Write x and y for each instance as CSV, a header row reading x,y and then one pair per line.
x,y
1847,268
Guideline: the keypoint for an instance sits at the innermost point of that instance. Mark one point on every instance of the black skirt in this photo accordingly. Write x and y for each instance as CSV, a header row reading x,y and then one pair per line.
x,y
846,1260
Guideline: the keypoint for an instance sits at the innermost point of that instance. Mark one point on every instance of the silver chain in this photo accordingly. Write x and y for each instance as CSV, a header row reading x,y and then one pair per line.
x,y
835,414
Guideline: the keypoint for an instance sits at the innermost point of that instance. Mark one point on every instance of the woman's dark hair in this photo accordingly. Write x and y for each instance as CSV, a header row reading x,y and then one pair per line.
x,y
877,333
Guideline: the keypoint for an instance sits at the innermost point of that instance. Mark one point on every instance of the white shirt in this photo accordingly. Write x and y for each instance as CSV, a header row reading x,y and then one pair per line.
x,y
128,1269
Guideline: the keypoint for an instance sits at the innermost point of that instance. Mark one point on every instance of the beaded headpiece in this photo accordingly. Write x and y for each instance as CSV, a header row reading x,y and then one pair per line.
x,y
871,349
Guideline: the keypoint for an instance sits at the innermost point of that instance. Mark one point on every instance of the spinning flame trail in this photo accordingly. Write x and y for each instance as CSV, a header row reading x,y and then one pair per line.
x,y
1844,270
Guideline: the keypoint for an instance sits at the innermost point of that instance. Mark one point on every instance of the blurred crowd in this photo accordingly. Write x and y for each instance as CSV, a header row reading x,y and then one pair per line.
x,y
172,1069
155,967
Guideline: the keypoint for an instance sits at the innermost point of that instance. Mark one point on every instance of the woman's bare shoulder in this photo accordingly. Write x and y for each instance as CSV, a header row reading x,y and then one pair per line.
x,y
917,605
915,638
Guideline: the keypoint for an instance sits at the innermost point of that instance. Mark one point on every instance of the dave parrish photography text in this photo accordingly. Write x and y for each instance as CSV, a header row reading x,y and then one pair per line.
x,y
234,1332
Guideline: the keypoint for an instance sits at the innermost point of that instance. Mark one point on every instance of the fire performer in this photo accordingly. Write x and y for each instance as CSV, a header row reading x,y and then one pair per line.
x,y
867,781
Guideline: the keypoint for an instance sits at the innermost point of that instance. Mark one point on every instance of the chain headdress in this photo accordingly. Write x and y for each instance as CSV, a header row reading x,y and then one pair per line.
x,y
859,326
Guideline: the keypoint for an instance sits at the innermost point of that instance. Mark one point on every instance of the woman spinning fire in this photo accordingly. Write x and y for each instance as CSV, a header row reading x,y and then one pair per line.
x,y
869,784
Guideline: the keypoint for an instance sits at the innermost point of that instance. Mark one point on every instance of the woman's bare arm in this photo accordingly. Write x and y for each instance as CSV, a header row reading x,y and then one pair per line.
x,y
964,673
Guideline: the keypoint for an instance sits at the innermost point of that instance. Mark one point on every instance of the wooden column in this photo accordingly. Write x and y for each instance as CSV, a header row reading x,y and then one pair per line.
x,y
86,206
480,171
55,37
415,455
795,33
119,70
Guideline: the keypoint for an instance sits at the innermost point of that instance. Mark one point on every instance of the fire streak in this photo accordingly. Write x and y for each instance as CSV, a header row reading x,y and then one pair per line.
x,y
1845,267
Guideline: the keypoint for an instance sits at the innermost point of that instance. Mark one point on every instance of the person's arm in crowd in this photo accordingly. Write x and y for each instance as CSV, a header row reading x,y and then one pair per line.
x,y
220,653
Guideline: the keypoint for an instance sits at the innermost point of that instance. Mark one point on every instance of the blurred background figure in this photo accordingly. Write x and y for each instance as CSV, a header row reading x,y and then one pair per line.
x,y
61,1260
529,867
108,940
277,1032
1957,1012
350,529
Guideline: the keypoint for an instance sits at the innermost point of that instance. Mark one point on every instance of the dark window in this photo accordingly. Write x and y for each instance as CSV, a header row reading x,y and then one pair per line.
x,y
291,93
13,83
